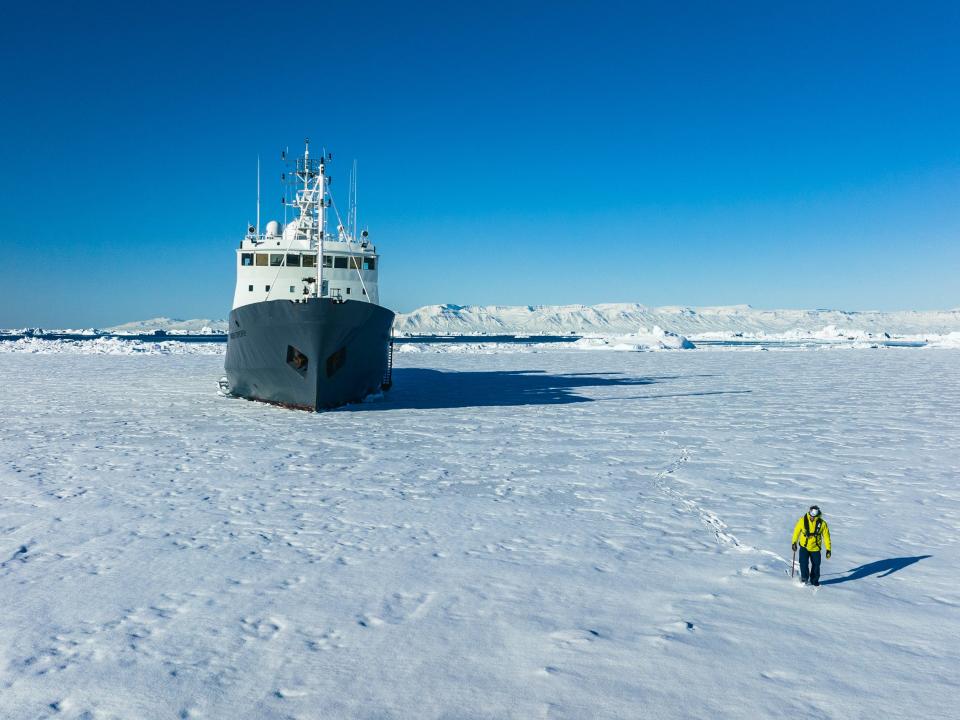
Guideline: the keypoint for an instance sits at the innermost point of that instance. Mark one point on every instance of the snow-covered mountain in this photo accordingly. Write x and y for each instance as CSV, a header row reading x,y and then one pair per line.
x,y
626,318
199,326
620,318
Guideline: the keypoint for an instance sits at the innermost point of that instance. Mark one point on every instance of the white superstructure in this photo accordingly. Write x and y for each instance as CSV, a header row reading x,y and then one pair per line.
x,y
284,262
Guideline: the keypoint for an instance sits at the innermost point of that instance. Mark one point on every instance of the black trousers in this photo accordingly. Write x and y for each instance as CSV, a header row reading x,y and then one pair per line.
x,y
813,571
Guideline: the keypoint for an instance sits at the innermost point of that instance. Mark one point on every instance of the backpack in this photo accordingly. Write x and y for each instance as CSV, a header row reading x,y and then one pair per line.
x,y
817,533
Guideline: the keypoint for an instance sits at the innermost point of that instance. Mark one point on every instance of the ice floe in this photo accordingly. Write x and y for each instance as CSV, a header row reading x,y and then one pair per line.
x,y
506,535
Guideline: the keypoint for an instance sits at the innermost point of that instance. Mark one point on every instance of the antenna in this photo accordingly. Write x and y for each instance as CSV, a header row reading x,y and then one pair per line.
x,y
306,164
258,196
352,210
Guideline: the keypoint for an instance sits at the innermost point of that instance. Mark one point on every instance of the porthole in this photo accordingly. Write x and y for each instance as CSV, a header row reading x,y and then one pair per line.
x,y
297,360
336,361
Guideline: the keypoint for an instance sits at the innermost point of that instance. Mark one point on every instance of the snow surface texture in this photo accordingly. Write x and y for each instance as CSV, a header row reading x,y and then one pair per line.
x,y
560,534
625,318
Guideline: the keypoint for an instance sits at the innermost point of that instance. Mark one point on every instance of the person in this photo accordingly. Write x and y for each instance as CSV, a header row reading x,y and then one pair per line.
x,y
811,534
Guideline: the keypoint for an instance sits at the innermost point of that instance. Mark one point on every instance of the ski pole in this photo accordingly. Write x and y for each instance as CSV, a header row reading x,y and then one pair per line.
x,y
793,559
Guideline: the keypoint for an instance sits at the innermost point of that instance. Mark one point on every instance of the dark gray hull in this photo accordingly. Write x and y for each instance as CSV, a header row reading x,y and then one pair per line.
x,y
311,355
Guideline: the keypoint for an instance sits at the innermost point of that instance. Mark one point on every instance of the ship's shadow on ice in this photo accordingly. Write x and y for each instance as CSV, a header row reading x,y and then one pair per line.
x,y
880,568
425,389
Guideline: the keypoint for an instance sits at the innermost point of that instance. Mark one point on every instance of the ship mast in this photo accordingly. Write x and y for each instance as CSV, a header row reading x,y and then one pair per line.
x,y
310,200
322,180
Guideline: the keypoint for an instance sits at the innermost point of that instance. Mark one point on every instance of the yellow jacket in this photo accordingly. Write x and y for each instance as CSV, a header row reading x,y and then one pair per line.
x,y
812,541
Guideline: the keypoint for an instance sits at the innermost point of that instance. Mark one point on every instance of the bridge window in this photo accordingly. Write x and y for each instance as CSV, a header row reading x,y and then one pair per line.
x,y
309,260
246,259
354,263
262,259
340,261
369,263
293,260
276,260
328,261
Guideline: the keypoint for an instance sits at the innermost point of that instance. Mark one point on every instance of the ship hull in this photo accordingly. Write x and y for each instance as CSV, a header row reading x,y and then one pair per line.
x,y
312,355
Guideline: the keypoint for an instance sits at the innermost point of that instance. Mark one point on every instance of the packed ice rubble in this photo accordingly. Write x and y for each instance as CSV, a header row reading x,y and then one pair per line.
x,y
109,346
655,338
950,340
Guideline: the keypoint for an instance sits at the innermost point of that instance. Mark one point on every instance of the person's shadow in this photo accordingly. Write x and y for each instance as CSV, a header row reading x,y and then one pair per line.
x,y
887,567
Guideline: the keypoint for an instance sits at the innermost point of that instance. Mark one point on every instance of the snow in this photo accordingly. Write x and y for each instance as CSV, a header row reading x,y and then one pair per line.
x,y
622,318
110,346
950,340
555,534
172,325
655,338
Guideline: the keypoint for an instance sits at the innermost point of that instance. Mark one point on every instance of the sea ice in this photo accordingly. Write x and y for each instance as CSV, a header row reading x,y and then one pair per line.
x,y
503,535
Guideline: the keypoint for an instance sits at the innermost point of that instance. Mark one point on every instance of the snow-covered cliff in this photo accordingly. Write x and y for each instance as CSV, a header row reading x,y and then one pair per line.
x,y
200,326
622,318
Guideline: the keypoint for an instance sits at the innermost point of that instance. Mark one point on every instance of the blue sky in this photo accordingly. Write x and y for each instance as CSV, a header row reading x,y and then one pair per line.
x,y
782,155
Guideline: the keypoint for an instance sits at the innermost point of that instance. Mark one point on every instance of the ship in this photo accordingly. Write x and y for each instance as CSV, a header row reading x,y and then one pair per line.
x,y
307,330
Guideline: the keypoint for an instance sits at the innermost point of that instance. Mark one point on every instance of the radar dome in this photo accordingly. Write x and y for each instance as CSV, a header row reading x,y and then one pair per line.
x,y
273,228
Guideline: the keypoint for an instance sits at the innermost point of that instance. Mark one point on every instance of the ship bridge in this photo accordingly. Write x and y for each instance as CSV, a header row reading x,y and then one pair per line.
x,y
274,270
303,259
